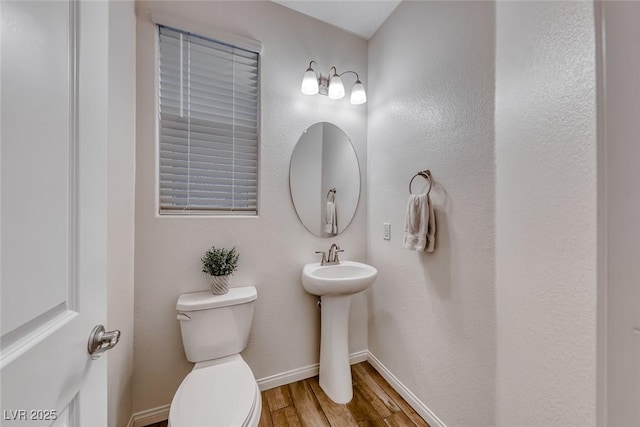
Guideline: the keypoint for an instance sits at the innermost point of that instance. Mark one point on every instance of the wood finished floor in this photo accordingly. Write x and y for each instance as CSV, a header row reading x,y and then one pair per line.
x,y
302,404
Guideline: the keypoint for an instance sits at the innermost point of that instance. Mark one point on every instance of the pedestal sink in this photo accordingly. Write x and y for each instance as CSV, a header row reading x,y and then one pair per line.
x,y
335,284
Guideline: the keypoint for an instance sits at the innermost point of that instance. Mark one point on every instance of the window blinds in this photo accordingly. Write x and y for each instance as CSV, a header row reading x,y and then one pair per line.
x,y
208,126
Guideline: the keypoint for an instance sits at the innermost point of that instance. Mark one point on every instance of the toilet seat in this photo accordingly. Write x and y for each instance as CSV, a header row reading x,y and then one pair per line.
x,y
219,395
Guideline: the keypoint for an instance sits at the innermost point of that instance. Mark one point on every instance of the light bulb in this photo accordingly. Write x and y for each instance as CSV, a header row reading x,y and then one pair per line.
x,y
358,95
336,88
309,82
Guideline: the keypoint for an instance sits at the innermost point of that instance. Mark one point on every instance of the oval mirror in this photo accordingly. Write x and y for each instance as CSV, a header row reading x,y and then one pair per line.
x,y
324,179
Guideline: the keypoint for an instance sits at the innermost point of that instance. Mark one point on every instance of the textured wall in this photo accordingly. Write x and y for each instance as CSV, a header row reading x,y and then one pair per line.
x,y
622,210
121,212
274,246
432,316
546,214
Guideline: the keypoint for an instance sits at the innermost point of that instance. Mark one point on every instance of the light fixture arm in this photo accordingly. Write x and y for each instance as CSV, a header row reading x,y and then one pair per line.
x,y
311,68
345,72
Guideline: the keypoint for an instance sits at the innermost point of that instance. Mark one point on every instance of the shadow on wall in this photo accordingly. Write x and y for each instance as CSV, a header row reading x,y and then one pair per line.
x,y
436,266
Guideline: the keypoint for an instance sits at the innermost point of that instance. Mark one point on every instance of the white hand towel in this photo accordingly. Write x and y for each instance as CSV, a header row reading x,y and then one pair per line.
x,y
331,225
420,225
431,229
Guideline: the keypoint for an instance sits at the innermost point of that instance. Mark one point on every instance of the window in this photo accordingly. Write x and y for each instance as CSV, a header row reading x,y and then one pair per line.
x,y
208,126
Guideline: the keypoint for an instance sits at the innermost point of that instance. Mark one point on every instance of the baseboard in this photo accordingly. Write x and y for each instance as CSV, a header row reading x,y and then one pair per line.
x,y
359,356
406,394
303,373
150,416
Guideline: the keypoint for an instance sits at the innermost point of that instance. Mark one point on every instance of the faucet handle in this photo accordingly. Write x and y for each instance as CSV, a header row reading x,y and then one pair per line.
x,y
336,255
324,257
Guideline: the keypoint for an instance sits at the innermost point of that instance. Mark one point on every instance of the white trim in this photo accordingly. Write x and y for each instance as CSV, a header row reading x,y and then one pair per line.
x,y
205,30
150,416
288,377
303,373
406,394
359,356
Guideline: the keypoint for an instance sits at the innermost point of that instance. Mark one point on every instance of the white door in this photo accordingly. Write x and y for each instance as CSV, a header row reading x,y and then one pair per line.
x,y
53,211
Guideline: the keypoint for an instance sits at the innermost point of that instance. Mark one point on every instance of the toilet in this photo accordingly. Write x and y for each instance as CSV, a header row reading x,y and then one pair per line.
x,y
220,390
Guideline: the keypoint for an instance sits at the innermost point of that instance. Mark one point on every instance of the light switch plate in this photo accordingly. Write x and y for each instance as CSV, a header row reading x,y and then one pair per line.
x,y
386,231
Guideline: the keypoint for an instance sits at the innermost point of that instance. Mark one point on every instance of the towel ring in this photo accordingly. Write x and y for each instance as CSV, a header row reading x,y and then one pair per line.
x,y
333,190
426,174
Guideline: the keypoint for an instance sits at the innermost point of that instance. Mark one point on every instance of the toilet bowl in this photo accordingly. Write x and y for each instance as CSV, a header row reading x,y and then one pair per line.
x,y
221,390
224,394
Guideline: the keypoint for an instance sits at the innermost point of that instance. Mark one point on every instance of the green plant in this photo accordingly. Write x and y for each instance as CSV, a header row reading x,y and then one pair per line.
x,y
220,262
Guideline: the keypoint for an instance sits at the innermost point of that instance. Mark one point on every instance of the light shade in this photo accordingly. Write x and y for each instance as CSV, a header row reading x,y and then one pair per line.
x,y
358,95
309,82
336,88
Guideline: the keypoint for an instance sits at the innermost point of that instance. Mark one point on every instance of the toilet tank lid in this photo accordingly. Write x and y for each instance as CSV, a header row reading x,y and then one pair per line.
x,y
205,300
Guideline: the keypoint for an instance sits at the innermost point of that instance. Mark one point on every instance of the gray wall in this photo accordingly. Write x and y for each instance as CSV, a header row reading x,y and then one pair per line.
x,y
431,105
621,210
546,214
121,212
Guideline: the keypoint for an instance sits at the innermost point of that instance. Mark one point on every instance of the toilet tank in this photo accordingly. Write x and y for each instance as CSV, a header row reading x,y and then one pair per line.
x,y
215,326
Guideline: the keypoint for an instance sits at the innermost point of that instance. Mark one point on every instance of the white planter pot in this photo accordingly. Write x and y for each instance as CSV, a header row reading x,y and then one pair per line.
x,y
220,284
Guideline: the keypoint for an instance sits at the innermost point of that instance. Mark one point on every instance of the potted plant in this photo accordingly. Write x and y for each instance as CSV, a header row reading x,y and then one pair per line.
x,y
220,264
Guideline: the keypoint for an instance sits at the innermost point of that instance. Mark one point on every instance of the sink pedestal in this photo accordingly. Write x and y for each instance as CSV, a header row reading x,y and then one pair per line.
x,y
335,283
335,370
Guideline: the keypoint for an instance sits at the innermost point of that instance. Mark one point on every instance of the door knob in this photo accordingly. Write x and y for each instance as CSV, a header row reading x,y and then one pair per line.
x,y
101,341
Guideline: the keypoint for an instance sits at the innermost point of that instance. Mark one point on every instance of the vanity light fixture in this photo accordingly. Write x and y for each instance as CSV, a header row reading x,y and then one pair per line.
x,y
314,83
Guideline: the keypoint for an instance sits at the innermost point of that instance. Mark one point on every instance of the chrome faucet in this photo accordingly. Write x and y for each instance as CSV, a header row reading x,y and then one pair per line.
x,y
332,258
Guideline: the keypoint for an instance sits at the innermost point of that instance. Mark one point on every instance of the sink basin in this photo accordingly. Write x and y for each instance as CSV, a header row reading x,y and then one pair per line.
x,y
335,284
346,278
